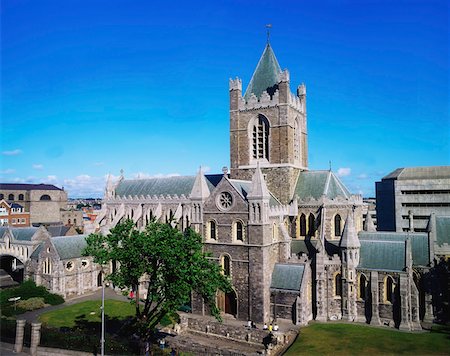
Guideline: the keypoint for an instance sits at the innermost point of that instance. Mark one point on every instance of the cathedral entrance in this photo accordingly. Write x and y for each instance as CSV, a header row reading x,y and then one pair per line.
x,y
227,302
11,271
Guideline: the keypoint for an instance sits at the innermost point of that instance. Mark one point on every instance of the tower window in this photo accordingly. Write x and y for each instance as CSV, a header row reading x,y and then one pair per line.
x,y
260,138
337,285
337,225
226,265
302,225
296,142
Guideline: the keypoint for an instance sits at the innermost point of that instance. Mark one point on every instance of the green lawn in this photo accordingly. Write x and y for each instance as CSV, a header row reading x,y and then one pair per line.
x,y
89,311
348,339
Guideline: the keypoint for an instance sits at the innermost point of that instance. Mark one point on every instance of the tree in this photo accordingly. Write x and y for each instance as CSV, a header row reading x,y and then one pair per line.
x,y
173,263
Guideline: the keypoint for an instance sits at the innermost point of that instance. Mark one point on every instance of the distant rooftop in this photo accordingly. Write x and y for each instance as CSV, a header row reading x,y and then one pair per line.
x,y
22,186
435,172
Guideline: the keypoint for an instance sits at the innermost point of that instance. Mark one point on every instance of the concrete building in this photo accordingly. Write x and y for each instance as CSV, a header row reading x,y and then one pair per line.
x,y
407,196
42,201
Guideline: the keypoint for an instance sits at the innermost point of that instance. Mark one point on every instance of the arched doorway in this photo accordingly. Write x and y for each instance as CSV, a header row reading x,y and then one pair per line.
x,y
227,302
12,266
99,279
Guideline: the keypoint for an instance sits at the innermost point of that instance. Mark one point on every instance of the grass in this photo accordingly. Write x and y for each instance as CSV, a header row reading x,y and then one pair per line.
x,y
89,311
348,339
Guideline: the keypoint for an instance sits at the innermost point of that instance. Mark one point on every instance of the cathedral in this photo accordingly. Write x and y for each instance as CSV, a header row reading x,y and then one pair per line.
x,y
292,240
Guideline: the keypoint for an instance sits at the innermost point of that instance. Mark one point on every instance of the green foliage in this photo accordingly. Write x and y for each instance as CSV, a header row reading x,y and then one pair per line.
x,y
26,290
31,303
351,339
173,261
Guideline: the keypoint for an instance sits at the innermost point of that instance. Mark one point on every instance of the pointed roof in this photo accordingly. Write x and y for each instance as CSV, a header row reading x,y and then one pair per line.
x,y
265,75
258,188
349,237
368,224
200,189
315,184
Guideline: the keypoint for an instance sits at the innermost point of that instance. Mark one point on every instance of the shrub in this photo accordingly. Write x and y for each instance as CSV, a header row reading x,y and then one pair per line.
x,y
31,303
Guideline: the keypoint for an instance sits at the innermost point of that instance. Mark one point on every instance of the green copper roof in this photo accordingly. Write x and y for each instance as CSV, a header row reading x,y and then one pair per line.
x,y
244,187
287,277
443,230
70,246
177,185
265,75
314,184
419,243
382,255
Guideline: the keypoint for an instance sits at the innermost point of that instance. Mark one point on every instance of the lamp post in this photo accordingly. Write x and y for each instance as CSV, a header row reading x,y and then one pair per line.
x,y
102,340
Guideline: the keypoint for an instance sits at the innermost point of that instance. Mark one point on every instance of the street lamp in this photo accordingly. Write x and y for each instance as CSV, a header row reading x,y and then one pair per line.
x,y
14,299
102,340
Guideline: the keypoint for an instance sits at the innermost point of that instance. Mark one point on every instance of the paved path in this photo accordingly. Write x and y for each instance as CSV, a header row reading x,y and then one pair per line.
x,y
33,316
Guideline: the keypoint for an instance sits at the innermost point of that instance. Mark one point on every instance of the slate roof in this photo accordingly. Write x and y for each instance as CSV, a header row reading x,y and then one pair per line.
x,y
314,184
244,187
265,75
434,172
382,255
22,186
70,246
23,233
287,277
176,185
16,206
443,230
58,230
419,244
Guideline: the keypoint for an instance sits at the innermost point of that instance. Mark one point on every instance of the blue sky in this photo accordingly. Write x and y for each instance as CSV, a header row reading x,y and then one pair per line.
x,y
92,87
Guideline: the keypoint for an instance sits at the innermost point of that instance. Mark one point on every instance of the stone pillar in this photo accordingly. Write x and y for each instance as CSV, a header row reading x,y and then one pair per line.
x,y
35,337
405,303
374,291
428,317
20,327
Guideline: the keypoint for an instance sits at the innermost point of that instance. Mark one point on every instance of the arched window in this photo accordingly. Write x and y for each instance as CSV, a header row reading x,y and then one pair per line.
x,y
46,197
212,233
311,224
226,265
11,197
337,225
69,221
239,231
260,138
362,286
337,285
21,197
2,196
302,225
389,289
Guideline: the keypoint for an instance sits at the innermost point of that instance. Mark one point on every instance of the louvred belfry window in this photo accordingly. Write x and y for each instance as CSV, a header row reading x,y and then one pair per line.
x,y
261,138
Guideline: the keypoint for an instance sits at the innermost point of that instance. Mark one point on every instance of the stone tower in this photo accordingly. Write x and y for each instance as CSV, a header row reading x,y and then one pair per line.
x,y
268,126
350,250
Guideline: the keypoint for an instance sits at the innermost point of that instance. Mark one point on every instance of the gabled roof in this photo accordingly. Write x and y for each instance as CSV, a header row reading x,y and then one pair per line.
x,y
443,230
265,75
70,246
419,243
23,233
287,277
315,184
176,185
244,187
434,172
21,186
58,230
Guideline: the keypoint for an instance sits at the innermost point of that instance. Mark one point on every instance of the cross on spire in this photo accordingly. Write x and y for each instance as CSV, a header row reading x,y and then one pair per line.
x,y
268,26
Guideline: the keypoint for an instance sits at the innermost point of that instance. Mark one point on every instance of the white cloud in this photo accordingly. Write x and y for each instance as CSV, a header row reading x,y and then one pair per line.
x,y
12,153
344,172
38,166
8,171
362,176
142,175
51,179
